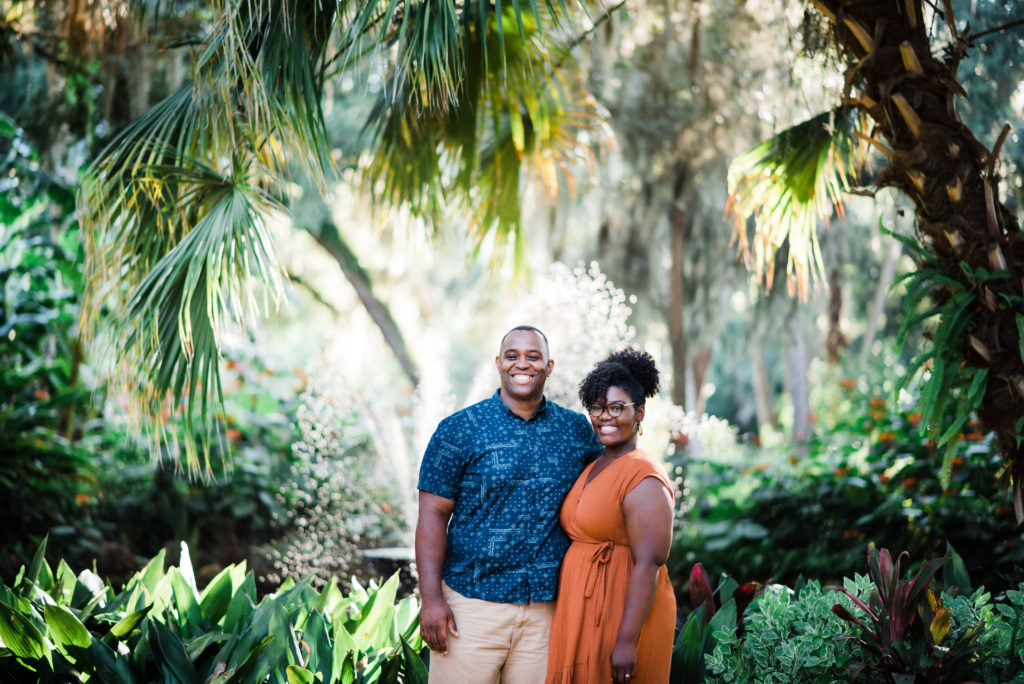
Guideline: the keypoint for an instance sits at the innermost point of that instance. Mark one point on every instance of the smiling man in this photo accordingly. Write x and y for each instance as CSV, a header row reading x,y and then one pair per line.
x,y
488,542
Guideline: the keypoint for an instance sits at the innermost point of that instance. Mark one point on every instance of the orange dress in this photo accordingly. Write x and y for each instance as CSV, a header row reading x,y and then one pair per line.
x,y
594,577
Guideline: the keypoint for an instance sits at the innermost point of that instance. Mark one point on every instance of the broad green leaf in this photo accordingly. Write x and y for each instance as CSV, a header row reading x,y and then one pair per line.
x,y
687,654
34,569
20,635
216,597
344,646
954,573
170,655
242,605
65,628
376,627
123,627
415,669
186,601
299,675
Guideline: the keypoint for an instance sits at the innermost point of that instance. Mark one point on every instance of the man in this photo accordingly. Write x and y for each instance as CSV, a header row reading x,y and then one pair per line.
x,y
488,542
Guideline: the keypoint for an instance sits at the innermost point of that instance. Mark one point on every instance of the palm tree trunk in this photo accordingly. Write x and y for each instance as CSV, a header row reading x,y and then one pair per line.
x,y
331,240
910,94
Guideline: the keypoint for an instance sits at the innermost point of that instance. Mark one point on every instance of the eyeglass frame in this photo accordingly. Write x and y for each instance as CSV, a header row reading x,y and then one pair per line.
x,y
618,407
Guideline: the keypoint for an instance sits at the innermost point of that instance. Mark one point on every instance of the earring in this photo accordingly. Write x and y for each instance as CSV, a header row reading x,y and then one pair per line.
x,y
639,429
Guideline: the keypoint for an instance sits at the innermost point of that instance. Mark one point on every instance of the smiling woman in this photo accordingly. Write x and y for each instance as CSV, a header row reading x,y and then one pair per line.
x,y
615,615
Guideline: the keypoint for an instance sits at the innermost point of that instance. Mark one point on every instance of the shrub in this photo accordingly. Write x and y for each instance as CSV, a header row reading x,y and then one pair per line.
x,y
56,625
789,636
877,628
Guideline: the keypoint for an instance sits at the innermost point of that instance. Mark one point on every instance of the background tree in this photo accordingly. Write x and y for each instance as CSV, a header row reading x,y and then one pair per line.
x,y
971,253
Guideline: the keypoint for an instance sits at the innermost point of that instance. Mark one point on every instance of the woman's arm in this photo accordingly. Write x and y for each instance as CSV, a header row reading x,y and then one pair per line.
x,y
648,512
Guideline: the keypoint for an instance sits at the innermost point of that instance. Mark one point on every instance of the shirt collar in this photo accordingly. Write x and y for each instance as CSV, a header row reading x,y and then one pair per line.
x,y
542,411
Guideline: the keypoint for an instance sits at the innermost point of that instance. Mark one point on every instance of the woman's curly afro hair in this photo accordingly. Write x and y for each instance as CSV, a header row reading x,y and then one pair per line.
x,y
631,370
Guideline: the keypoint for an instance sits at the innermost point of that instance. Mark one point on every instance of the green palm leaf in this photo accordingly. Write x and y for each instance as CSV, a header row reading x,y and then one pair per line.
x,y
173,209
786,184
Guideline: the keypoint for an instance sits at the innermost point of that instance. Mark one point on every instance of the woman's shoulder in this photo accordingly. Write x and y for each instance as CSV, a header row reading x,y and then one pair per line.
x,y
646,462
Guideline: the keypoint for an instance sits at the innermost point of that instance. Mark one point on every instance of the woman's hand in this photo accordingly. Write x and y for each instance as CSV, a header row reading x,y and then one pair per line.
x,y
623,662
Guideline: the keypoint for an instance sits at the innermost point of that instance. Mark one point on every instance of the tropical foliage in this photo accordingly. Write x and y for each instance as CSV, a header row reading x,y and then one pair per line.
x,y
902,78
814,634
870,479
55,625
175,208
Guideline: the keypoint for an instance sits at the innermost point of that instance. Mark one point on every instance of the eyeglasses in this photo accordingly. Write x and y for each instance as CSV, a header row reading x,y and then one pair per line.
x,y
614,409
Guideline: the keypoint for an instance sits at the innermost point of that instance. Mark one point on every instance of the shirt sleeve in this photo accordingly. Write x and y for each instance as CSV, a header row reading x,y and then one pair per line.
x,y
644,467
443,462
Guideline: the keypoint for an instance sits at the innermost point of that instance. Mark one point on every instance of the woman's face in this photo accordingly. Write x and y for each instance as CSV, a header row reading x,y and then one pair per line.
x,y
614,430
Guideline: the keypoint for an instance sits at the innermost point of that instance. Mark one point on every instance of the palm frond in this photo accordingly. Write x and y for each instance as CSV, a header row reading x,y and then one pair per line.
x,y
522,108
173,209
787,184
171,321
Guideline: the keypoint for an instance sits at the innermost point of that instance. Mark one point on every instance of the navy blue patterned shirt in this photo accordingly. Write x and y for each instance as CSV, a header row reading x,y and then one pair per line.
x,y
507,477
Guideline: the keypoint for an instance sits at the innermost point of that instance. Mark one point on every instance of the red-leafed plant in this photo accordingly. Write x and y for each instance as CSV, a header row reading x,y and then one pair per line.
x,y
907,650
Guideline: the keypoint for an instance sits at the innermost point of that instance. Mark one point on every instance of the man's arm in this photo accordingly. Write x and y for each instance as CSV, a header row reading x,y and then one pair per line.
x,y
436,616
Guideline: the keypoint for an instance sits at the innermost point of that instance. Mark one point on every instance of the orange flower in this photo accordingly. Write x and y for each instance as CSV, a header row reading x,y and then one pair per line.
x,y
974,436
841,471
887,437
914,418
756,441
760,467
909,481
956,462
231,365
234,434
82,498
884,477
876,402
41,395
793,460
850,534
848,383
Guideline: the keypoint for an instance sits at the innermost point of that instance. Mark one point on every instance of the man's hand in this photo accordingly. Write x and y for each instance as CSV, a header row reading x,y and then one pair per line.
x,y
623,662
436,619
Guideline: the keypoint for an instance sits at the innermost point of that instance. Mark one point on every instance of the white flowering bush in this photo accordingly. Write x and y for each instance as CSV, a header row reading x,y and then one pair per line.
x,y
584,316
354,479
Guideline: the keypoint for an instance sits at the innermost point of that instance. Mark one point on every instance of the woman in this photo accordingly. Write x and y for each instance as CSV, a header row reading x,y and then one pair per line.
x,y
615,615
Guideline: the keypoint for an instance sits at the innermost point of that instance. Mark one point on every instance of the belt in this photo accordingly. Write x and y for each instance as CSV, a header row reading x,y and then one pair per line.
x,y
598,572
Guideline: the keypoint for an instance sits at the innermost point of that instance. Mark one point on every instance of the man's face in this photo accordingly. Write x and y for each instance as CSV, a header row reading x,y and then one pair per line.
x,y
523,365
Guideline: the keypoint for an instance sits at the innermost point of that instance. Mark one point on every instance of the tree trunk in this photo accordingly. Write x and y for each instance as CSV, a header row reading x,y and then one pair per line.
x,y
797,381
885,278
950,176
835,342
699,370
331,240
676,297
762,389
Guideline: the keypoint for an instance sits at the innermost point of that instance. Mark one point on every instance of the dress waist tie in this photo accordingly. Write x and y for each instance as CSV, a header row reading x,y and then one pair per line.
x,y
598,571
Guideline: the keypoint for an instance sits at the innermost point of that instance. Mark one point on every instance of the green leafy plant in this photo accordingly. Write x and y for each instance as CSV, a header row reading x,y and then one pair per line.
x,y
903,647
788,636
697,637
160,626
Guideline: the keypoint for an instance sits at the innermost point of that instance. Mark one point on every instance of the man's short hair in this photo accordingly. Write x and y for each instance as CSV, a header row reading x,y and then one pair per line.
x,y
547,347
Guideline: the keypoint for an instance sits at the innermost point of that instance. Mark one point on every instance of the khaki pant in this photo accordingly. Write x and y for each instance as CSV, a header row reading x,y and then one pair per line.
x,y
498,642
